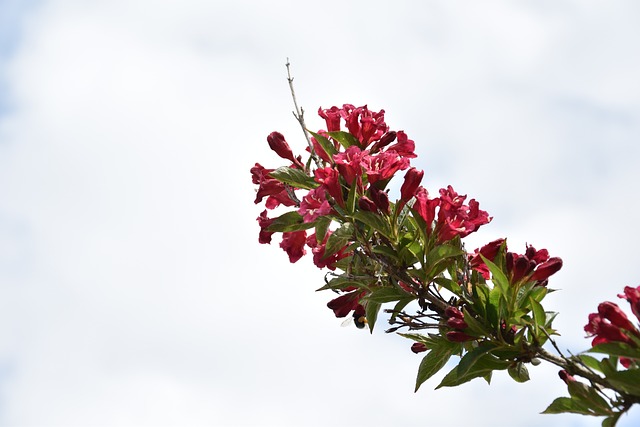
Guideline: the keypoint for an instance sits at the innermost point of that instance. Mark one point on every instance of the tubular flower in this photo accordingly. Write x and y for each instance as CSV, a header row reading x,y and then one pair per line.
x,y
633,296
381,199
329,179
367,126
603,331
382,166
281,147
348,163
314,204
332,118
293,244
418,347
426,207
616,316
346,303
489,251
412,180
271,188
265,236
457,219
318,250
386,139
405,147
455,318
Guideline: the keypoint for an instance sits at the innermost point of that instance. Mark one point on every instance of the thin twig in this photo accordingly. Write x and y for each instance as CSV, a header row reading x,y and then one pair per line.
x,y
299,115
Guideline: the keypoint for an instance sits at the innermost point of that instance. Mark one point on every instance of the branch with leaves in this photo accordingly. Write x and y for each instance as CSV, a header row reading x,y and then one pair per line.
x,y
484,307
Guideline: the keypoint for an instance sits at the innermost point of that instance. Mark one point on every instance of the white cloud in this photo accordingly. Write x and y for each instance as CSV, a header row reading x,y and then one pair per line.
x,y
134,291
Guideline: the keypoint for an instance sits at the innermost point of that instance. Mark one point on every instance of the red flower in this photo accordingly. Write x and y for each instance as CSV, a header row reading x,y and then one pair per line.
x,y
633,296
329,179
404,147
457,219
314,204
317,148
412,180
616,316
381,199
386,139
366,204
345,303
566,377
318,250
382,166
365,125
348,163
331,117
418,347
293,244
264,222
426,207
281,147
489,251
457,336
603,331
269,187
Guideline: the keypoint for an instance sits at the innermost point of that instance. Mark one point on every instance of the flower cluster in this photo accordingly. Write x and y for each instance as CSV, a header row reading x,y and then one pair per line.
x,y
533,266
611,324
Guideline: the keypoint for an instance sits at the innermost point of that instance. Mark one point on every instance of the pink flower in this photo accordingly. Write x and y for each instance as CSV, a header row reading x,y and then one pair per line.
x,y
328,178
616,316
457,219
405,147
603,331
346,303
412,180
293,244
418,347
314,204
566,377
633,296
348,163
382,166
426,207
269,187
365,125
281,147
264,222
489,251
331,117
318,250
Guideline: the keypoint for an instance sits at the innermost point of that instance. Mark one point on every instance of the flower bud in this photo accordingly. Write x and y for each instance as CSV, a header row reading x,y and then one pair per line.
x,y
279,145
566,377
418,347
366,204
412,180
457,336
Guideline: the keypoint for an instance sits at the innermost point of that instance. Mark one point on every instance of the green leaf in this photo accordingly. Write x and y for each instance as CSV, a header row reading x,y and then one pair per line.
x,y
519,372
322,225
628,380
612,420
290,221
442,252
589,396
475,327
386,294
497,276
294,177
473,356
566,404
432,363
386,251
481,368
339,239
591,362
448,284
326,145
619,349
344,138
371,312
374,221
340,283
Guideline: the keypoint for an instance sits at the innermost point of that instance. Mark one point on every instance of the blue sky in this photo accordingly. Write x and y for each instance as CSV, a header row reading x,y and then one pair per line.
x,y
133,289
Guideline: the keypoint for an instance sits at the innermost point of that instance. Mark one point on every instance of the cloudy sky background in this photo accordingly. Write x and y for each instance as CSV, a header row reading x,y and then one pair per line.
x,y
132,287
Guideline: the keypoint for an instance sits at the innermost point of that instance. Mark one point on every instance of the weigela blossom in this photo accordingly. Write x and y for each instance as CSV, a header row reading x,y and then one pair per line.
x,y
346,303
265,236
382,166
610,324
332,118
348,163
278,144
412,180
314,205
318,250
271,188
367,126
633,296
293,244
329,179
